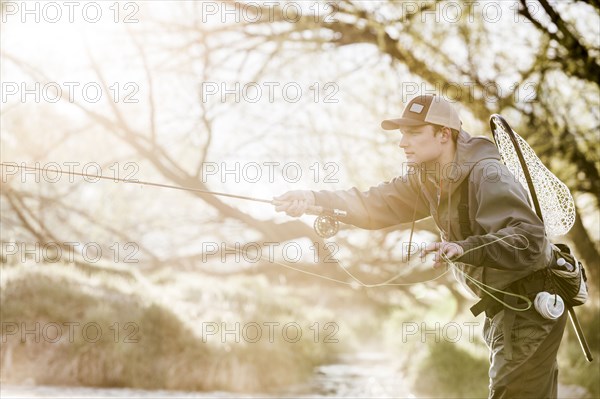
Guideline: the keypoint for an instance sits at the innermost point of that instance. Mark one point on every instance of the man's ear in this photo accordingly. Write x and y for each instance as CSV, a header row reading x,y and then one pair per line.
x,y
446,133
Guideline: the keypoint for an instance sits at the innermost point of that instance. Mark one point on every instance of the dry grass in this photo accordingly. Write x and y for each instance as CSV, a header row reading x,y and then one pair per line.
x,y
166,349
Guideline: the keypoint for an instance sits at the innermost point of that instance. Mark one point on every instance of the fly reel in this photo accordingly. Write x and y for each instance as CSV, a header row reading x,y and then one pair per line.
x,y
326,224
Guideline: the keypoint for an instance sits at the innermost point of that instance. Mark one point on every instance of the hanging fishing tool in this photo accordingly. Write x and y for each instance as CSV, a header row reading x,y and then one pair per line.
x,y
553,202
326,224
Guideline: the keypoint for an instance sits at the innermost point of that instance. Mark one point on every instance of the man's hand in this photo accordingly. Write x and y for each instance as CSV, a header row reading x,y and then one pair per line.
x,y
449,249
294,203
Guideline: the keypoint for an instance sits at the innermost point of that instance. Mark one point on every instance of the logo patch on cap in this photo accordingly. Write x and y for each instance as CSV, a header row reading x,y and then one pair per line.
x,y
416,108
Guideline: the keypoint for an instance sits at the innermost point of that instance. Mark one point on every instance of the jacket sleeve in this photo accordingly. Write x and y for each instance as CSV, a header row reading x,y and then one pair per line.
x,y
385,205
503,212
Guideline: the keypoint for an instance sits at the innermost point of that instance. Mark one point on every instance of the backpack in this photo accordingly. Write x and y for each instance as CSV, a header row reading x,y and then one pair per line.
x,y
566,278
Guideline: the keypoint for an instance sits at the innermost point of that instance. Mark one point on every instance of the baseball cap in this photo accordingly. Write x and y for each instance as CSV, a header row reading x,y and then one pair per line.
x,y
423,110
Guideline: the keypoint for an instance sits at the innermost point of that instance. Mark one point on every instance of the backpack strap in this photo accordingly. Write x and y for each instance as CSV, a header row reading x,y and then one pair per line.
x,y
463,209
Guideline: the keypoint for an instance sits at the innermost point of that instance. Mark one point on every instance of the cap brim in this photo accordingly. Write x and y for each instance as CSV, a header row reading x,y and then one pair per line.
x,y
393,124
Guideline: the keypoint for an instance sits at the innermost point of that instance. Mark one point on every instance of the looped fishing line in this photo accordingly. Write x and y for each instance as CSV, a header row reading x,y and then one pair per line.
x,y
481,285
388,282
356,279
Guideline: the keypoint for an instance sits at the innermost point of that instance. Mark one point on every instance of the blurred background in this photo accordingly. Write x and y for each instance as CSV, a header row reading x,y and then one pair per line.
x,y
120,289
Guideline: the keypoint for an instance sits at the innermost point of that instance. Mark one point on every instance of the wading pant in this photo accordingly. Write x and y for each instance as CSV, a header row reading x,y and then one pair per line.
x,y
527,368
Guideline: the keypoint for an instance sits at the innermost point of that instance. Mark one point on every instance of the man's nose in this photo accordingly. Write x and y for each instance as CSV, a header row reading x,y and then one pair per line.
x,y
402,143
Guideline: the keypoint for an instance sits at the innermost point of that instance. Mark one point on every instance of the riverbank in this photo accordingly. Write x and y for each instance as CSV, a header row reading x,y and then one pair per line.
x,y
67,333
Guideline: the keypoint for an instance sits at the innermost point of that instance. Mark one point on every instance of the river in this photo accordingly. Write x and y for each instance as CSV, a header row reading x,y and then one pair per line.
x,y
364,375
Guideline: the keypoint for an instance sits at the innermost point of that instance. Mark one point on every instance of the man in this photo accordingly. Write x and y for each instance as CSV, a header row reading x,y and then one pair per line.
x,y
488,230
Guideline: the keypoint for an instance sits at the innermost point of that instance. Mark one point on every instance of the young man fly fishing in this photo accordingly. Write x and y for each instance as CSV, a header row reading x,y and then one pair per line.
x,y
490,235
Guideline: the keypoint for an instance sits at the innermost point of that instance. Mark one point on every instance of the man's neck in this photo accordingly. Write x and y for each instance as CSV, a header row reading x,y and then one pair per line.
x,y
440,167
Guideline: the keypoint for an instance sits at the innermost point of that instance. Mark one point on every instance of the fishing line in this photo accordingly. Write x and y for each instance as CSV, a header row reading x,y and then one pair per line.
x,y
483,286
388,282
356,279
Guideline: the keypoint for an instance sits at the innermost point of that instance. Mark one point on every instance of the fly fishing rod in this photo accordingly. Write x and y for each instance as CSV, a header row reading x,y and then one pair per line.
x,y
326,224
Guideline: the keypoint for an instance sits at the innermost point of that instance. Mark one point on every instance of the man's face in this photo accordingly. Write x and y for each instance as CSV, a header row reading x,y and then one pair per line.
x,y
421,144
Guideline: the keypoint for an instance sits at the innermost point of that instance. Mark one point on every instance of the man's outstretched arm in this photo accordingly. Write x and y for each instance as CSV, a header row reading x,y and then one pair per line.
x,y
385,205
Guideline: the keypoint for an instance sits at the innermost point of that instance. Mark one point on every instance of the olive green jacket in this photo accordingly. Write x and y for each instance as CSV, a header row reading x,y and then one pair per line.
x,y
498,209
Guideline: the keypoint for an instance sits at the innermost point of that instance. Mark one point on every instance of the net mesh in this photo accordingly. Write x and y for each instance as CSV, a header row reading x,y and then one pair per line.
x,y
554,197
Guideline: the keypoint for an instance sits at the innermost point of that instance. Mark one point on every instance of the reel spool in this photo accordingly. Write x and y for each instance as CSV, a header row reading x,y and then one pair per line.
x,y
326,226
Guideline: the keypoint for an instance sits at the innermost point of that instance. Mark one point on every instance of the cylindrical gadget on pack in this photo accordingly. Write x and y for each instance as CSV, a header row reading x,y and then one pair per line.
x,y
550,306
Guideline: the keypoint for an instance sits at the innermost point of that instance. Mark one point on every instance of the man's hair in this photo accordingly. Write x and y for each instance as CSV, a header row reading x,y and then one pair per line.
x,y
438,128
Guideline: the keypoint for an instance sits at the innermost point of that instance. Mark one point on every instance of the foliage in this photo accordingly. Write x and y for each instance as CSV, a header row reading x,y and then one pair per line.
x,y
450,371
145,342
